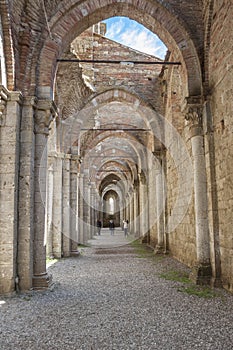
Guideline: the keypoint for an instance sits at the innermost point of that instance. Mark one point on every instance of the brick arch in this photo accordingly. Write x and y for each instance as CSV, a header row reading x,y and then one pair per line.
x,y
120,166
151,117
107,134
8,45
117,94
103,135
207,45
70,21
120,95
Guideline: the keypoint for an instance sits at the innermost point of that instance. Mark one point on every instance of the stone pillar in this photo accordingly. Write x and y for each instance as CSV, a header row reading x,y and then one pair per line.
x,y
43,117
136,210
80,218
127,209
202,271
122,216
57,205
213,196
10,113
131,217
66,209
73,203
88,209
92,220
49,229
160,247
26,194
143,205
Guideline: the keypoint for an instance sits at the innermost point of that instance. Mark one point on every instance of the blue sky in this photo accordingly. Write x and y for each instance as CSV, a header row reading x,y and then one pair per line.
x,y
132,34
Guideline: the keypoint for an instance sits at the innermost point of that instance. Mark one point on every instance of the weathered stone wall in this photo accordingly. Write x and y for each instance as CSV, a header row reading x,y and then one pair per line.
x,y
219,141
9,163
70,98
181,241
140,79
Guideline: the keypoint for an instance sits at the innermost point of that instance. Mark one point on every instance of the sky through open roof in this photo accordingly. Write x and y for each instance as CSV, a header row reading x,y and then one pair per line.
x,y
130,33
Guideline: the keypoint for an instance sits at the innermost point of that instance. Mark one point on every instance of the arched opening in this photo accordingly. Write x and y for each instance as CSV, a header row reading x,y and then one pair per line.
x,y
112,120
171,32
111,208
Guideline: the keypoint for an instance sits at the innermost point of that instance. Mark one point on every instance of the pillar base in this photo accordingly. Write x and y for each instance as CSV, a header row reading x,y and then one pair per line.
x,y
66,254
216,282
42,281
201,274
145,238
159,249
75,253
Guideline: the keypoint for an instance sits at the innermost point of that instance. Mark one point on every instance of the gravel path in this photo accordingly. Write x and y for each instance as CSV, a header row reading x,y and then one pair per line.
x,y
114,299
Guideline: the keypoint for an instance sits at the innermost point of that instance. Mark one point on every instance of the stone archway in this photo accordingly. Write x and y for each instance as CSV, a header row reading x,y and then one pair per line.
x,y
111,208
64,30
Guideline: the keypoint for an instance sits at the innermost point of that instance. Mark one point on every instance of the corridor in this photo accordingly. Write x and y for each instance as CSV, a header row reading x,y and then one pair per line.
x,y
116,299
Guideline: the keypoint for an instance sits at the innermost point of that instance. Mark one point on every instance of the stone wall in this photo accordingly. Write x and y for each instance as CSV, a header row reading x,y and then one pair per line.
x,y
70,98
140,79
220,138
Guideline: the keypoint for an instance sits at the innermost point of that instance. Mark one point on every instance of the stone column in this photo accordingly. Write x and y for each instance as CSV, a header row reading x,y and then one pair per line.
x,y
92,220
127,209
202,271
143,205
215,253
43,117
85,209
66,209
49,229
57,205
80,218
122,216
131,217
26,194
10,113
88,209
160,247
73,202
136,210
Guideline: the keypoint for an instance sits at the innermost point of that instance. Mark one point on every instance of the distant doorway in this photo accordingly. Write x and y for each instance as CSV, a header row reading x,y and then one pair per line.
x,y
111,208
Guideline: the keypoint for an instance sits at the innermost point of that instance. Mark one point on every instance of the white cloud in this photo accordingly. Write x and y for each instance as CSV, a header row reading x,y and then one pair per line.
x,y
134,35
115,28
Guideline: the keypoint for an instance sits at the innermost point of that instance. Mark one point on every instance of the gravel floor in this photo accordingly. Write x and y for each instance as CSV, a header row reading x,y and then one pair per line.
x,y
115,299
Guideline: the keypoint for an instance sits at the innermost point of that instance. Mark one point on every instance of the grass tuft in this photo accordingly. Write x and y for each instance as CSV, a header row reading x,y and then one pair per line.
x,y
175,276
50,261
200,291
143,251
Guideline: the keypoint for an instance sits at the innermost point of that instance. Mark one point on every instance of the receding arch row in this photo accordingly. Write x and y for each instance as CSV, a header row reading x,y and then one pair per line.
x,y
151,119
132,161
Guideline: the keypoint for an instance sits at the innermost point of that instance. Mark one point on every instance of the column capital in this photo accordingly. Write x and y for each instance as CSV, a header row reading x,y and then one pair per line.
x,y
159,154
194,115
46,111
142,178
16,96
50,168
30,101
67,156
